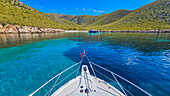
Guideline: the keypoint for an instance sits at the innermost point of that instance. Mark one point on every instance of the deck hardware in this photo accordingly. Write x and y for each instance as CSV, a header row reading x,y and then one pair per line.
x,y
81,91
87,90
85,68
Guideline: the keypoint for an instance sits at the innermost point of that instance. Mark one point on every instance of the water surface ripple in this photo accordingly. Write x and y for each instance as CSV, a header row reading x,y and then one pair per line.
x,y
28,60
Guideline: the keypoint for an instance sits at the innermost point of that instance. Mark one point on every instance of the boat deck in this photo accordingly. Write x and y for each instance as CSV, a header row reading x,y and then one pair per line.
x,y
87,85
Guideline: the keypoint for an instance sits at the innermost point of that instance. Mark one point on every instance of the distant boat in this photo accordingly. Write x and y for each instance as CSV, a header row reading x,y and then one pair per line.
x,y
93,31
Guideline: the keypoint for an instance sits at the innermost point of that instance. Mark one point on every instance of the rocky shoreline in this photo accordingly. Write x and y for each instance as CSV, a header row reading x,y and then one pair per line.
x,y
139,31
8,28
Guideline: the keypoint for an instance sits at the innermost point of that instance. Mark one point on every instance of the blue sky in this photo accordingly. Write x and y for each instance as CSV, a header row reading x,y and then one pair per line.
x,y
84,7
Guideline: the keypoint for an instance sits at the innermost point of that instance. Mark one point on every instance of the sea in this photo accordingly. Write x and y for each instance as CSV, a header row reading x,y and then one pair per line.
x,y
27,61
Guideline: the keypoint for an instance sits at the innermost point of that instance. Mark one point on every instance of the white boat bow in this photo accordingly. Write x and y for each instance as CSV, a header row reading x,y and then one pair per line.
x,y
87,84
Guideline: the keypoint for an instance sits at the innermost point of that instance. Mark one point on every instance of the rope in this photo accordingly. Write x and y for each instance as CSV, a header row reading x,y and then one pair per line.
x,y
80,65
91,66
53,85
119,84
78,69
52,79
56,80
128,91
123,79
61,81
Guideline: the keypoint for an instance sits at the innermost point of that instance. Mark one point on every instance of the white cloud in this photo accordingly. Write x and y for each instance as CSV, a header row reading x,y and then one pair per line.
x,y
94,10
99,11
53,10
84,9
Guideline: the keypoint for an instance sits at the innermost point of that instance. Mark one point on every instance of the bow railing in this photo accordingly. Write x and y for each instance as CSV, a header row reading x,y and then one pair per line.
x,y
57,76
93,70
114,75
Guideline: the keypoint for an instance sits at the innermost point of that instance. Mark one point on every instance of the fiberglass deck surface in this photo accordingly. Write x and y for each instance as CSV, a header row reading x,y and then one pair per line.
x,y
96,86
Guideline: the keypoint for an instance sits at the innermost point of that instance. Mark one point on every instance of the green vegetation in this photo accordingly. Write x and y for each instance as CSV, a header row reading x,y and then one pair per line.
x,y
55,17
20,14
152,16
109,18
155,15
87,20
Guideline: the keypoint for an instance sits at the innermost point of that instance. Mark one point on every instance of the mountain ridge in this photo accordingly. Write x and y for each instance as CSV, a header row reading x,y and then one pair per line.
x,y
145,18
155,15
16,13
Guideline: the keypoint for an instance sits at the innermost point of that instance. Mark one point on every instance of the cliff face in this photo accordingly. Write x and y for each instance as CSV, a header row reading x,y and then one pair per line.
x,y
7,28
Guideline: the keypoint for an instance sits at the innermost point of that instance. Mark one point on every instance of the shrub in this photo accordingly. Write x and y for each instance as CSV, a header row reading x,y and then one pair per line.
x,y
74,29
3,24
69,28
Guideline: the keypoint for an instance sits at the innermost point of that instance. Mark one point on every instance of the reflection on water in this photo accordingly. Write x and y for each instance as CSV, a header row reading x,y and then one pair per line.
x,y
140,41
143,58
8,40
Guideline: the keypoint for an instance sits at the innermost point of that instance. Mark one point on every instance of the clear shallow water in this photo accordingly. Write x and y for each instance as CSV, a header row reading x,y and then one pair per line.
x,y
143,58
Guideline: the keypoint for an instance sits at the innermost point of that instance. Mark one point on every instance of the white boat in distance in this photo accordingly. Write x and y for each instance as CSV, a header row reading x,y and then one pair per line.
x,y
87,84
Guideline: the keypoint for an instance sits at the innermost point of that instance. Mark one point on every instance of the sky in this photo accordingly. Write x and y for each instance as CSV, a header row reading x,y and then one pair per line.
x,y
84,7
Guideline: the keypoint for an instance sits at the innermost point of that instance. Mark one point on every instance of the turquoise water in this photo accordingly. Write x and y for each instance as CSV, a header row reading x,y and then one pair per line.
x,y
29,60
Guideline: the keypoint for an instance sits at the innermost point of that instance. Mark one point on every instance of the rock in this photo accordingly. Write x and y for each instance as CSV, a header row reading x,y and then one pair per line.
x,y
12,28
1,26
23,29
167,3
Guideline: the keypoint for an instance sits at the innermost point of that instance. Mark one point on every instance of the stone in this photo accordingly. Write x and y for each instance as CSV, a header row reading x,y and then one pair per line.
x,y
1,26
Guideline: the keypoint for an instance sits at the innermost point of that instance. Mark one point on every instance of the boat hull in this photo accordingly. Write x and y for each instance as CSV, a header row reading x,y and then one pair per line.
x,y
92,31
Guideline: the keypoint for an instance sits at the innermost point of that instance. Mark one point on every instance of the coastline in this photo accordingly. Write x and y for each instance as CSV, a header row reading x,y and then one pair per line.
x,y
8,28
75,31
138,31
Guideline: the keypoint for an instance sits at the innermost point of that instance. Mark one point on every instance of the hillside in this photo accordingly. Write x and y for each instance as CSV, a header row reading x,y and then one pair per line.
x,y
155,15
55,17
86,20
81,19
109,18
17,13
